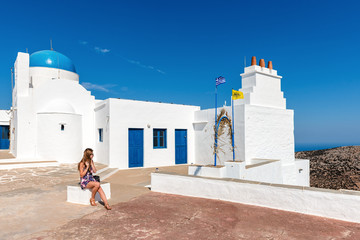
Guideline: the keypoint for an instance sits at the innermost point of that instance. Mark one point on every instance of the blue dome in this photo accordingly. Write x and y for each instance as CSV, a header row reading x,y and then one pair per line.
x,y
51,59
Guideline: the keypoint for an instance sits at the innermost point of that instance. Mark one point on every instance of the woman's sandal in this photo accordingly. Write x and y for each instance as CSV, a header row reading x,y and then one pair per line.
x,y
107,207
92,202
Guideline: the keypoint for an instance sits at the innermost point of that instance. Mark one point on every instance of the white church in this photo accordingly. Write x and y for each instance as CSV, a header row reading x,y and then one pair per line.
x,y
53,117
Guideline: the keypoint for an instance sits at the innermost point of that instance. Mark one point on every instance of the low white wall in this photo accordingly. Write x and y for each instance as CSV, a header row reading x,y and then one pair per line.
x,y
342,205
216,172
302,172
81,196
269,172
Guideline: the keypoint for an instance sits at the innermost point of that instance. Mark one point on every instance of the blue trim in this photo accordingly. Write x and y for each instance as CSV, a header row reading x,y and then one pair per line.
x,y
216,135
180,146
215,144
4,137
51,59
136,147
100,130
159,134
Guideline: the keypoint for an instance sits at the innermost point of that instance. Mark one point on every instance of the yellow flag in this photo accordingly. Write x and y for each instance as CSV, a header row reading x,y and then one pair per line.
x,y
237,95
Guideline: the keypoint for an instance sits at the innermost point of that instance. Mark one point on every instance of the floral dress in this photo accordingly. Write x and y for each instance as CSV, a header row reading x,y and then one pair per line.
x,y
87,178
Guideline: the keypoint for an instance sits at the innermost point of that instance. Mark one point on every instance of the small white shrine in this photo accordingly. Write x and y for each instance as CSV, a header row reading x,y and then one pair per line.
x,y
263,132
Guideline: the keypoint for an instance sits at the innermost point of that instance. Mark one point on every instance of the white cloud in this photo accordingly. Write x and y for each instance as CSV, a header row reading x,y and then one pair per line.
x,y
106,50
160,71
103,88
144,66
101,50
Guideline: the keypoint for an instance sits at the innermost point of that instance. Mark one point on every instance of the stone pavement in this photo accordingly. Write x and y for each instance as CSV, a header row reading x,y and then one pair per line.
x,y
34,199
33,206
165,216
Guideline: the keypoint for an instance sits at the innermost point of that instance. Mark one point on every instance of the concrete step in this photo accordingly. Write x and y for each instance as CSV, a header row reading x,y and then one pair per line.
x,y
26,164
76,195
107,172
26,160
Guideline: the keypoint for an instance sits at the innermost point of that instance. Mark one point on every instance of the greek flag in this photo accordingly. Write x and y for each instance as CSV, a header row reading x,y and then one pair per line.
x,y
220,80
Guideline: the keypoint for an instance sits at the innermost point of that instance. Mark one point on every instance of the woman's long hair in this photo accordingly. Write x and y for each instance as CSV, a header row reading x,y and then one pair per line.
x,y
86,157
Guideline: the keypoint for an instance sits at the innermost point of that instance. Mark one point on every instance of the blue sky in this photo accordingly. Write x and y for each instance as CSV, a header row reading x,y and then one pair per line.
x,y
171,51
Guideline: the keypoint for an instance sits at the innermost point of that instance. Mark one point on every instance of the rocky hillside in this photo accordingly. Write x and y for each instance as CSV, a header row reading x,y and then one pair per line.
x,y
335,168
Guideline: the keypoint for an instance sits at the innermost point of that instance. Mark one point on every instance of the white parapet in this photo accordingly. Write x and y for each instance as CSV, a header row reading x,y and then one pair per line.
x,y
262,170
77,195
337,204
302,172
207,171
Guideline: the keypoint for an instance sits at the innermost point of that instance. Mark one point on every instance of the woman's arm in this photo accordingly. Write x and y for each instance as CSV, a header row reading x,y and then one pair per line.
x,y
93,166
82,170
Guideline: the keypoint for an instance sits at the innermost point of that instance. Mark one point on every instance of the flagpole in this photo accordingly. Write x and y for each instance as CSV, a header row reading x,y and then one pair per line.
x,y
232,132
215,146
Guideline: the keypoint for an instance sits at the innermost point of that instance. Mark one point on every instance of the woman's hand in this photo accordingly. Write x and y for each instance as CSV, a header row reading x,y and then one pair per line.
x,y
87,164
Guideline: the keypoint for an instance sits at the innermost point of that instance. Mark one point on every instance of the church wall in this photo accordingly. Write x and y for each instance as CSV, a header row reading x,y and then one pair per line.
x,y
56,143
26,128
24,120
73,93
21,74
40,75
13,133
102,121
125,114
204,136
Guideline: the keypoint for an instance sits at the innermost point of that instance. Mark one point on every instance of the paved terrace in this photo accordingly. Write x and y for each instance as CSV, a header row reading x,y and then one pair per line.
x,y
33,206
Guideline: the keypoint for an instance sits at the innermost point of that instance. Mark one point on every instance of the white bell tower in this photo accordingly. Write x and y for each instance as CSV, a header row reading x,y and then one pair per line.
x,y
262,86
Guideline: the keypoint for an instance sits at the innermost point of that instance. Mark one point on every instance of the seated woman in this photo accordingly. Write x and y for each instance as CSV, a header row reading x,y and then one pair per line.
x,y
86,168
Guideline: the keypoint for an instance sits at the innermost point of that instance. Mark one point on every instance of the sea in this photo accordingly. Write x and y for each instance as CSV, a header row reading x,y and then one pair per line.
x,y
299,147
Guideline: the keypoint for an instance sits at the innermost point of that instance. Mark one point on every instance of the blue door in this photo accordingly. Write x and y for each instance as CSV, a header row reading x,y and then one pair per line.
x,y
4,137
180,146
136,147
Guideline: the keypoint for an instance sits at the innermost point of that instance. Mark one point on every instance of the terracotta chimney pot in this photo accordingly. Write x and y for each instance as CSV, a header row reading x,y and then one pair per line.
x,y
270,65
262,63
253,60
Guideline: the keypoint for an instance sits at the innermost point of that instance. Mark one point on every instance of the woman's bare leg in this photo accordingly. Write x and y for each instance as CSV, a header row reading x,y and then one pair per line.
x,y
102,195
94,186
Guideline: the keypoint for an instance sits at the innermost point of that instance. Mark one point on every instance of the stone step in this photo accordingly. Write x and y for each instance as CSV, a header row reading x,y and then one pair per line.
x,y
107,173
26,164
77,195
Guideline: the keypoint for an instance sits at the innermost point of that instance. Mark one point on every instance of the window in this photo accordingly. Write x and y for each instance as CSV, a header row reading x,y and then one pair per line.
x,y
159,138
4,132
100,135
62,127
